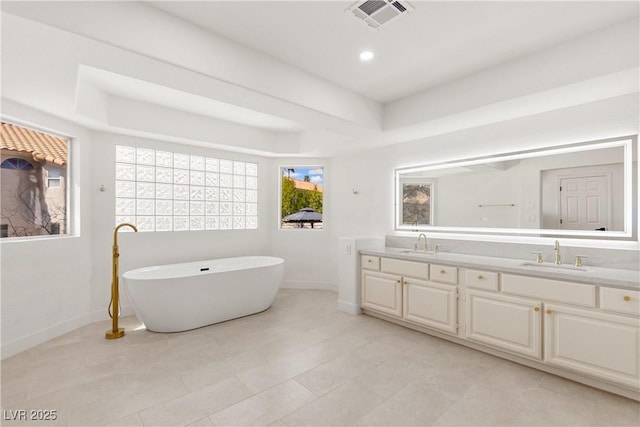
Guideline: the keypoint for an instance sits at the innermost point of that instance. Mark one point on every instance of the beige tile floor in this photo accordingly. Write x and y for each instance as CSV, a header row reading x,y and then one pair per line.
x,y
301,362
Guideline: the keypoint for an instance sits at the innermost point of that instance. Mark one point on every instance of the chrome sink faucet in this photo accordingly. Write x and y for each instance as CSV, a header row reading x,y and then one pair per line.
x,y
416,245
558,260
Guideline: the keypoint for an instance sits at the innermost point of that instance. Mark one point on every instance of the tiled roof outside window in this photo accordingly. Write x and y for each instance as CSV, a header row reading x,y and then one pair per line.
x,y
41,146
305,185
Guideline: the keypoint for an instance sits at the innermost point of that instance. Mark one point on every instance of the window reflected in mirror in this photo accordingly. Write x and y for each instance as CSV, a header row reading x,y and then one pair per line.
x,y
416,203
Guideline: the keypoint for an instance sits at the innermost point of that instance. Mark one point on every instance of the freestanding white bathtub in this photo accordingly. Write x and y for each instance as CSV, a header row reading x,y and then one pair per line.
x,y
179,297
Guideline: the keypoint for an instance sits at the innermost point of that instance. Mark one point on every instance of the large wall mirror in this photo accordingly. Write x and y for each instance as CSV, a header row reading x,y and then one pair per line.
x,y
586,190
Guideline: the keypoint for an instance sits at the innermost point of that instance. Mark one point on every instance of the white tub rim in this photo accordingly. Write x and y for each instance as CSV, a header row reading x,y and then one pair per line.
x,y
188,268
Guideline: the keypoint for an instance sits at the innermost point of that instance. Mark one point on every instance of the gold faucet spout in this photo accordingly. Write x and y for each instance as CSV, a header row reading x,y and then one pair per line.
x,y
425,242
114,305
118,227
556,248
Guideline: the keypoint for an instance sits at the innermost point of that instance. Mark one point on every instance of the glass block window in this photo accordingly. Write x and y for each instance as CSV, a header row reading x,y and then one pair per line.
x,y
163,191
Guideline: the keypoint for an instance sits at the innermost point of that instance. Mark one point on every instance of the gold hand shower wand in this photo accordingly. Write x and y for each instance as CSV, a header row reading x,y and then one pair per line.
x,y
114,305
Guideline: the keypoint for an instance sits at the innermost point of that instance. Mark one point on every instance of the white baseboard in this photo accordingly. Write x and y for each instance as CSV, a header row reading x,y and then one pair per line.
x,y
25,343
309,285
349,307
43,335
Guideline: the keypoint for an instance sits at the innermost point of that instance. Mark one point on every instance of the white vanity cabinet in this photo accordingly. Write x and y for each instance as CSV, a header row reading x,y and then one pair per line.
x,y
382,292
506,322
577,335
599,344
401,289
584,331
430,304
382,283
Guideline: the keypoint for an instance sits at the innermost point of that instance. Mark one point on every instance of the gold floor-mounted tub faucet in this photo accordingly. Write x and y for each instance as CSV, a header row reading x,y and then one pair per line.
x,y
114,305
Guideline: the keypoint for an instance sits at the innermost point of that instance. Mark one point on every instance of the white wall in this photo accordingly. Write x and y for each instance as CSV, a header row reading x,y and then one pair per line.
x,y
457,199
309,262
45,283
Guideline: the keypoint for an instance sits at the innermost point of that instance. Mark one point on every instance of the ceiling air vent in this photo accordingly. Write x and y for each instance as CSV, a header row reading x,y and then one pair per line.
x,y
376,13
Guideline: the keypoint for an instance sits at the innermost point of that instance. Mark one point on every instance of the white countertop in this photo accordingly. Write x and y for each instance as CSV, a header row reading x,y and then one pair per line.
x,y
610,277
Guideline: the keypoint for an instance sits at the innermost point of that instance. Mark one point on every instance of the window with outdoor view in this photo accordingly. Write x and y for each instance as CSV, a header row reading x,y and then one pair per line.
x,y
34,184
301,197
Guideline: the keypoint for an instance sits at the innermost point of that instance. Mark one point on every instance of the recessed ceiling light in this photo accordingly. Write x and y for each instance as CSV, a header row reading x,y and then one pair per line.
x,y
367,55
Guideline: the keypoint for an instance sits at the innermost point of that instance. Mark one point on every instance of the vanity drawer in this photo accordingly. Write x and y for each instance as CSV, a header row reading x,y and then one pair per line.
x,y
418,270
550,290
481,279
620,300
444,274
369,262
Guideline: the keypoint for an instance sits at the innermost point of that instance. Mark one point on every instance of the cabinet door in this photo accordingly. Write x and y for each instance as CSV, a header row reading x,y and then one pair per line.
x,y
603,345
509,323
382,292
430,304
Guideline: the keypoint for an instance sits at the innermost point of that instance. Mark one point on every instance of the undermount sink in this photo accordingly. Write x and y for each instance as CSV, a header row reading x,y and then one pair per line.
x,y
420,253
549,266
